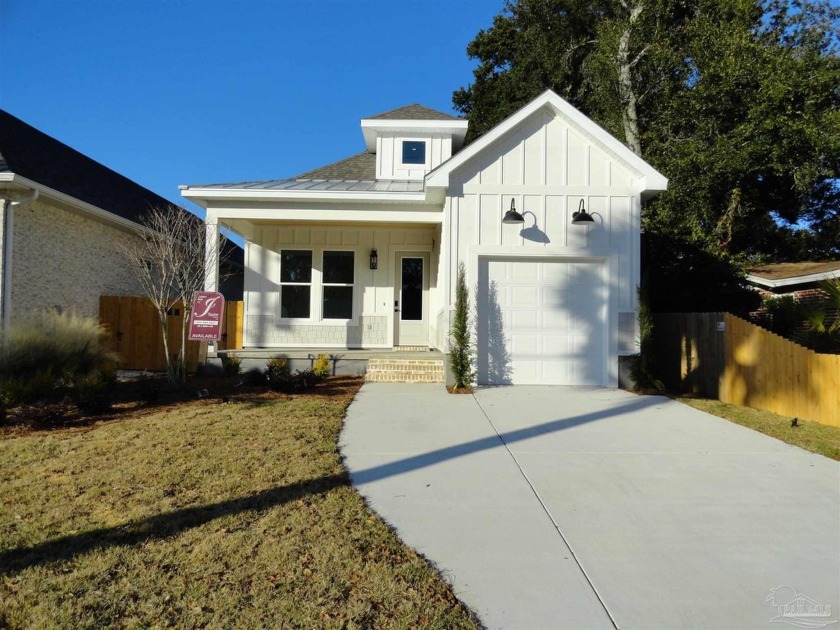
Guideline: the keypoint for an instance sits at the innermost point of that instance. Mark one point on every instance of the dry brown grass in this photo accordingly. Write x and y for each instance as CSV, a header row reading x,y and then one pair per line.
x,y
205,515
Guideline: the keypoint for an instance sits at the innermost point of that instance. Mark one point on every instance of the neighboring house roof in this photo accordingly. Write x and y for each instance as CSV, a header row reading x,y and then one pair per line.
x,y
790,274
414,112
652,180
30,153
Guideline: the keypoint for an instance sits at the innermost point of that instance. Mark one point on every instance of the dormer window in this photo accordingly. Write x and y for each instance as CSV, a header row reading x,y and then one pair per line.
x,y
413,152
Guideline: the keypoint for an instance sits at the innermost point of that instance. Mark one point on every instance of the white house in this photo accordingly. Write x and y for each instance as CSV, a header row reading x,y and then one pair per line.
x,y
363,253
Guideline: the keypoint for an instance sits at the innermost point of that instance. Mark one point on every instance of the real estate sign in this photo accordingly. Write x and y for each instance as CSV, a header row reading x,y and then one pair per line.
x,y
206,316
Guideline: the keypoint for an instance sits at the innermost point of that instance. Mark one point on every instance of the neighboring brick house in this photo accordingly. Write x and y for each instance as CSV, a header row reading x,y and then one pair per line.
x,y
798,279
64,217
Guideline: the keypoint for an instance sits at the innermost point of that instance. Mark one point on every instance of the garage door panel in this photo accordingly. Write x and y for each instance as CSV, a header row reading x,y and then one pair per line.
x,y
525,296
554,320
524,319
546,321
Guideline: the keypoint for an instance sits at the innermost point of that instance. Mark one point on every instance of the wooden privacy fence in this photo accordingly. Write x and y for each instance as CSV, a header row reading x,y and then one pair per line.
x,y
135,335
725,357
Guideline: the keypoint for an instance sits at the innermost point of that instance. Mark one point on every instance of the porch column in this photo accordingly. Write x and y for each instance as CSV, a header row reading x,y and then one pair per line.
x,y
211,265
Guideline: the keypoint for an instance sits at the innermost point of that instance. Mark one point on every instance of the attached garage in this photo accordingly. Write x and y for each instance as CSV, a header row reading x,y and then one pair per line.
x,y
541,321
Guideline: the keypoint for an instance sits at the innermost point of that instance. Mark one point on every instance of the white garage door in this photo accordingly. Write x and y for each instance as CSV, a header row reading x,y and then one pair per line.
x,y
541,322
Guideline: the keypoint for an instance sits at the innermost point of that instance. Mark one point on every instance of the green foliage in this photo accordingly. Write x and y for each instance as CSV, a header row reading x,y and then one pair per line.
x,y
822,319
321,368
680,276
50,351
461,350
277,371
642,370
231,364
735,102
781,314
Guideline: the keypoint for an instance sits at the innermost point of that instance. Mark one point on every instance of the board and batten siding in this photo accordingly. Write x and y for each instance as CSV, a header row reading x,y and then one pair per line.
x,y
372,325
389,155
547,165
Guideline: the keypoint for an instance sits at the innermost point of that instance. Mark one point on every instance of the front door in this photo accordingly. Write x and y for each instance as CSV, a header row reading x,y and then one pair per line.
x,y
411,309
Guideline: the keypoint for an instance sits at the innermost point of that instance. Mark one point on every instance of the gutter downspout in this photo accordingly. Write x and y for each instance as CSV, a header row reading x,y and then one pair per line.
x,y
8,230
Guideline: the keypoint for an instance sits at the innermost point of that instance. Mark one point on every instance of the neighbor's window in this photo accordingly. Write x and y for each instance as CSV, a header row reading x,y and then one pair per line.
x,y
338,285
295,283
413,152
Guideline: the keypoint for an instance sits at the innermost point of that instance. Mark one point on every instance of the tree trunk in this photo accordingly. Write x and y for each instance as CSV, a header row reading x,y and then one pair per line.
x,y
164,329
182,355
629,116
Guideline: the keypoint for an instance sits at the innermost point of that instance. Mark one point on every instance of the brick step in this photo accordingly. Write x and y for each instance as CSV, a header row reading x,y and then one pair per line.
x,y
405,371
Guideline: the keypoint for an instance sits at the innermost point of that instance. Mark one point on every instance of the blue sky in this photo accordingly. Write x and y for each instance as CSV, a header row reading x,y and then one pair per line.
x,y
187,92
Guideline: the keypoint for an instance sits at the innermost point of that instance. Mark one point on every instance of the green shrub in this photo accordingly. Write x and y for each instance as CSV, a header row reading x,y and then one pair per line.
x,y
231,364
461,350
277,371
256,377
321,367
50,351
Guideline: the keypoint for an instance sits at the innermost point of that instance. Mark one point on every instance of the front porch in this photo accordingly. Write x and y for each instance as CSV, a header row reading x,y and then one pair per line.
x,y
398,365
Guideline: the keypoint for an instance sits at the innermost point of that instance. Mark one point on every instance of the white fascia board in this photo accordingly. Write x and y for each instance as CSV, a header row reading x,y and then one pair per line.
x,y
360,196
430,215
786,282
82,207
651,179
370,126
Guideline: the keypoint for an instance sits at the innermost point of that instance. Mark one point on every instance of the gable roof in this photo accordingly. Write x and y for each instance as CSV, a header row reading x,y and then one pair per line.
x,y
789,274
30,153
652,180
414,111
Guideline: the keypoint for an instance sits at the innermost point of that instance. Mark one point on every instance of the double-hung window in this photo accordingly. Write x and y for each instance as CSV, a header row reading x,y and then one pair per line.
x,y
295,283
337,285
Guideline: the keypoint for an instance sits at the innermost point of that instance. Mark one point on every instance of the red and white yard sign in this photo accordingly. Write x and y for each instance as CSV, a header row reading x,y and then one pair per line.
x,y
206,316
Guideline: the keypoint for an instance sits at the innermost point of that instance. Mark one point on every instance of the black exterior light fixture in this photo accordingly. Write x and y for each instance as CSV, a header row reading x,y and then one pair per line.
x,y
374,259
581,216
512,217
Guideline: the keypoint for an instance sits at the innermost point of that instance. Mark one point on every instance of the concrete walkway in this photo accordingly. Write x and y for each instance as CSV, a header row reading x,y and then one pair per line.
x,y
553,507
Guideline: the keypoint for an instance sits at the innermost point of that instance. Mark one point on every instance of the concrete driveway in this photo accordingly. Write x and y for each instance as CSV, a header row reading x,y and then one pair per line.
x,y
555,507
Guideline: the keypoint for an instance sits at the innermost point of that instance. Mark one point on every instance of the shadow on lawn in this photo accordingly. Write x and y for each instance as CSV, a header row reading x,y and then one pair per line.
x,y
160,526
163,525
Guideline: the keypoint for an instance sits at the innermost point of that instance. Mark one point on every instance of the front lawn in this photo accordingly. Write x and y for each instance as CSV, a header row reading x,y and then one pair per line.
x,y
812,436
204,514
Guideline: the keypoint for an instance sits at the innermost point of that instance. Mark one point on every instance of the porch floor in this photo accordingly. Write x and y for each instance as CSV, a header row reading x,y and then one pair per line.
x,y
337,353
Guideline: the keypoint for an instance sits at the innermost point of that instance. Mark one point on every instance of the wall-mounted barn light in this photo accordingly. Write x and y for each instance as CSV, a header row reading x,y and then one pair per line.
x,y
581,216
374,259
512,216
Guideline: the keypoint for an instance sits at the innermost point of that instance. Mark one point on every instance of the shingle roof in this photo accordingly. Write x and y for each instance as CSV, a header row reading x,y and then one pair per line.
x,y
31,153
414,112
779,271
361,167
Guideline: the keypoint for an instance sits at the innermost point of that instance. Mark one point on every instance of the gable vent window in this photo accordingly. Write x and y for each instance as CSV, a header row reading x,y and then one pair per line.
x,y
295,283
413,152
338,285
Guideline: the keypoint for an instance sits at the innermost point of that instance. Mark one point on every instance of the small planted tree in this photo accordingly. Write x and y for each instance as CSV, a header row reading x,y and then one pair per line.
x,y
461,350
169,260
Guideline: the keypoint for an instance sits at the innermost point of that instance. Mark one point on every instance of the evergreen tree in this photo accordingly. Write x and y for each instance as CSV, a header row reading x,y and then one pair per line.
x,y
461,349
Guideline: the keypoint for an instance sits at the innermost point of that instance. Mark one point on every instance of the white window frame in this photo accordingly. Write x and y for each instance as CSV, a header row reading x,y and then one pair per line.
x,y
312,284
323,285
427,153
